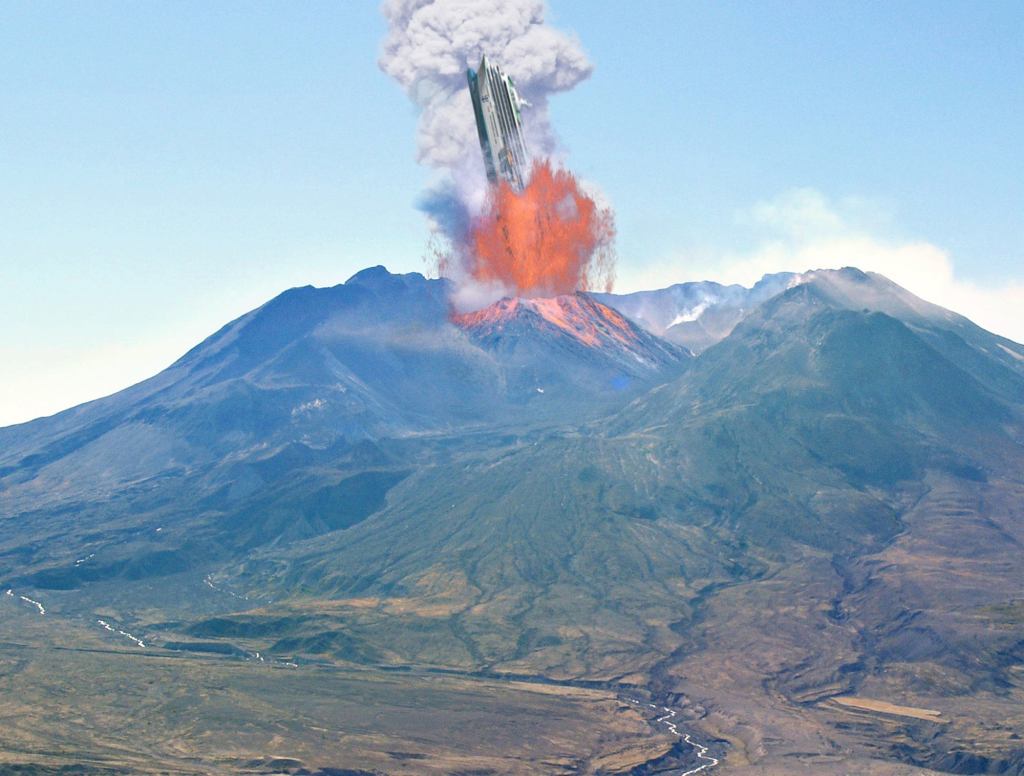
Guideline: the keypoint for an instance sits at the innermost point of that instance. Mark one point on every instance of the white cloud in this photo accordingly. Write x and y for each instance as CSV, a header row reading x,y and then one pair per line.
x,y
802,230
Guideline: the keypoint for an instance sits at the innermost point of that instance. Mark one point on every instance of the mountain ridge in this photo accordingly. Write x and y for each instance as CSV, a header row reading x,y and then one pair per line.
x,y
355,476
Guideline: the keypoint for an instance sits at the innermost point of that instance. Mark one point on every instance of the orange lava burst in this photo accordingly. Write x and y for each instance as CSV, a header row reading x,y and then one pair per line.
x,y
549,239
581,317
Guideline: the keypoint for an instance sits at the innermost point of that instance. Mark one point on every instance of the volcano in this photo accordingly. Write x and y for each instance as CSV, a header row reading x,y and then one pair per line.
x,y
571,329
803,541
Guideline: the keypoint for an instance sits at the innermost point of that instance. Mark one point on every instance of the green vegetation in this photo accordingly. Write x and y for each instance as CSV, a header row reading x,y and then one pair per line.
x,y
824,503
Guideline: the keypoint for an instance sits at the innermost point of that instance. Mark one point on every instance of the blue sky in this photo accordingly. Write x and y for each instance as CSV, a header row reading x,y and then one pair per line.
x,y
165,167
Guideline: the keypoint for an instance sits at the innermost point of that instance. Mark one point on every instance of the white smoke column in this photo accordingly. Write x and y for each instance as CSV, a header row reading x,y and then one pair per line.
x,y
430,44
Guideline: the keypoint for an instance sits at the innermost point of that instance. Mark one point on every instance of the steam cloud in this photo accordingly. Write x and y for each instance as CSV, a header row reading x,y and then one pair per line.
x,y
429,45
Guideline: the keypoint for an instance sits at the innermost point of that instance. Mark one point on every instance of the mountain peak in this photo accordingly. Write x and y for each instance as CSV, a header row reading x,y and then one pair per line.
x,y
568,344
575,315
374,273
378,277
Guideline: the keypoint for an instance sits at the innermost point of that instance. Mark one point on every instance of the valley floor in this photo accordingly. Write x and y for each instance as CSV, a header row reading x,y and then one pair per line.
x,y
71,700
75,699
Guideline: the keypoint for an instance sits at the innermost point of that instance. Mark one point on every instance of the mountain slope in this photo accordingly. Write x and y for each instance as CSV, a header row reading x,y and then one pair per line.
x,y
807,427
802,465
824,503
254,433
572,342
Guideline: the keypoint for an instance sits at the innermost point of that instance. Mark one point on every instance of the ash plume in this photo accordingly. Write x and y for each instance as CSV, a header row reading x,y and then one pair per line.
x,y
428,48
429,45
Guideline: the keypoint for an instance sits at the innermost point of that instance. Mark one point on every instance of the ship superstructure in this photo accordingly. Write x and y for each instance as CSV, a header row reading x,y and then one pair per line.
x,y
497,103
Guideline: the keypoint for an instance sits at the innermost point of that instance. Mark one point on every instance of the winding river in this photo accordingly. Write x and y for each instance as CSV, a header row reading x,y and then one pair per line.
x,y
667,720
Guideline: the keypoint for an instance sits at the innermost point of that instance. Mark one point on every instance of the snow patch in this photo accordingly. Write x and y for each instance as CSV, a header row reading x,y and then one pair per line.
x,y
1014,353
309,406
